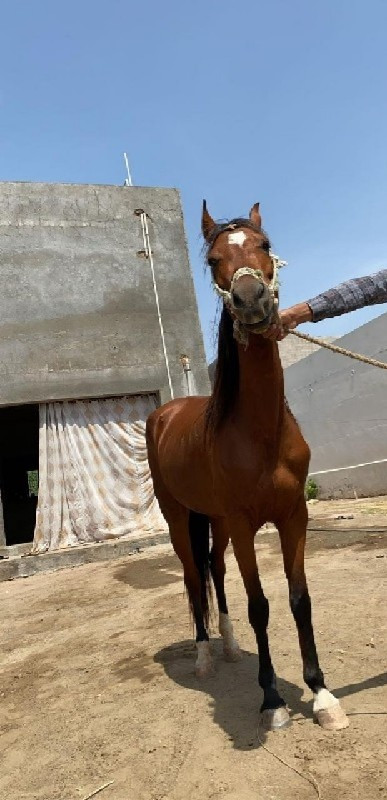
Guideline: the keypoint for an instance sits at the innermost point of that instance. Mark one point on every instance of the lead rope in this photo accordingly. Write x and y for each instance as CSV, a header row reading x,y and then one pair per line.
x,y
341,350
309,778
148,253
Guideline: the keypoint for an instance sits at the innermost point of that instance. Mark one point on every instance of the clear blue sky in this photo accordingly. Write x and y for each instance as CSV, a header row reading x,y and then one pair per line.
x,y
282,101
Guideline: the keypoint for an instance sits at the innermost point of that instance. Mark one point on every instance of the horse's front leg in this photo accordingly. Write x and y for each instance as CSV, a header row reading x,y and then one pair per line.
x,y
326,707
273,710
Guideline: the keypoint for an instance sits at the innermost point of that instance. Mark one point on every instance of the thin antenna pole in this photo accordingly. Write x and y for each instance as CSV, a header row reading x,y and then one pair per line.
x,y
129,178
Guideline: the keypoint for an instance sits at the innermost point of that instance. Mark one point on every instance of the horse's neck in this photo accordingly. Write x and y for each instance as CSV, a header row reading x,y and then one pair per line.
x,y
261,387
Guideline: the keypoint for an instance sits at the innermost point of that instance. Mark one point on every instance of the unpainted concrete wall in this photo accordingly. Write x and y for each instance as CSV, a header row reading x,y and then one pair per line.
x,y
341,406
77,308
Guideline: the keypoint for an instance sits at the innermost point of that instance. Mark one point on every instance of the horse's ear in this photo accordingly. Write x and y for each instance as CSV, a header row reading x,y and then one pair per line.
x,y
208,224
255,216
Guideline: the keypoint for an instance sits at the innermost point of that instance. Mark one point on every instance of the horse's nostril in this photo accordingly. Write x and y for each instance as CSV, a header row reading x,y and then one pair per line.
x,y
259,290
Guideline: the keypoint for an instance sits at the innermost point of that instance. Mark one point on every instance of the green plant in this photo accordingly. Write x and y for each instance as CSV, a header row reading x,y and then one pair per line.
x,y
33,483
311,489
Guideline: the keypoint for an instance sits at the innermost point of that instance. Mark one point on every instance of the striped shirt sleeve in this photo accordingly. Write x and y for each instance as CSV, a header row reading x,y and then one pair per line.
x,y
349,296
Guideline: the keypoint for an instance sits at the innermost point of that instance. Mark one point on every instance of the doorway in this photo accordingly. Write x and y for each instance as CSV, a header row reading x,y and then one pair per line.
x,y
19,466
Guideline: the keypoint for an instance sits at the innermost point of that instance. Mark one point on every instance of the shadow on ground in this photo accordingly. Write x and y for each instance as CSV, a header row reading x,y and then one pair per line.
x,y
233,693
150,573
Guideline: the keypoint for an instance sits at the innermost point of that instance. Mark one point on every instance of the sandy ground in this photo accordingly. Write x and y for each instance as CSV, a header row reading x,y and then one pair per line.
x,y
365,512
97,682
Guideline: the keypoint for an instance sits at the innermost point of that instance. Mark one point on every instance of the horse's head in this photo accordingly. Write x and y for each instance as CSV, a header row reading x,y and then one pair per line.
x,y
243,271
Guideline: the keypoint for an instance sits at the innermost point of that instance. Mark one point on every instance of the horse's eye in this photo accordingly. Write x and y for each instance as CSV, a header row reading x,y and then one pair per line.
x,y
265,246
213,262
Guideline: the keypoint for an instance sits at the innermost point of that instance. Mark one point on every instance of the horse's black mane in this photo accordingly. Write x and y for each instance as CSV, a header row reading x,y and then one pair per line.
x,y
226,381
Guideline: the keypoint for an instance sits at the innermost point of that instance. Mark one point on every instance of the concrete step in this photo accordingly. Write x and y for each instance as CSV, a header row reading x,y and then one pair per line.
x,y
15,550
20,565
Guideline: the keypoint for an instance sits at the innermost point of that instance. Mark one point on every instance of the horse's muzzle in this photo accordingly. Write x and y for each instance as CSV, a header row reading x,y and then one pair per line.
x,y
251,301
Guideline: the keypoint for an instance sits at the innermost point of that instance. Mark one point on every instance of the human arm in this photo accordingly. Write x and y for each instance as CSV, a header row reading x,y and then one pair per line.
x,y
348,296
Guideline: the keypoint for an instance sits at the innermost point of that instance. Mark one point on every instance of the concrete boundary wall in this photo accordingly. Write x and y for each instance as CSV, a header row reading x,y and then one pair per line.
x,y
341,406
365,480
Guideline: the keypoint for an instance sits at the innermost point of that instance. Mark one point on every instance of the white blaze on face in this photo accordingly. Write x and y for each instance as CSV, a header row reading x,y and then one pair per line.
x,y
238,237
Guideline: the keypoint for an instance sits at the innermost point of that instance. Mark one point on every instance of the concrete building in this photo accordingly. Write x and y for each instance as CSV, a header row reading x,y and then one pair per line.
x,y
78,312
341,407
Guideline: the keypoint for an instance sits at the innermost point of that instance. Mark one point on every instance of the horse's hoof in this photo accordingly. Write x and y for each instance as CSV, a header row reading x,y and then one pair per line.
x,y
233,653
332,719
272,719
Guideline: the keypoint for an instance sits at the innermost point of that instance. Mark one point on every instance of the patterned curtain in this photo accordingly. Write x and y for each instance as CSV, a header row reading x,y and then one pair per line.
x,y
94,478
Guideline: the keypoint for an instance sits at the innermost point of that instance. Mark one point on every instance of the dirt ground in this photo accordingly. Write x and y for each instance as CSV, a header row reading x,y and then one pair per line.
x,y
366,512
97,682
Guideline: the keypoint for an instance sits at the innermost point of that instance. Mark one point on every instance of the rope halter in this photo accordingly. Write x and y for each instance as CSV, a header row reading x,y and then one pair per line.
x,y
240,332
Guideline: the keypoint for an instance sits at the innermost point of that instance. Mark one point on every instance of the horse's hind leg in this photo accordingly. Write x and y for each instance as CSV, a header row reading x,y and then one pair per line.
x,y
220,539
182,524
189,553
326,707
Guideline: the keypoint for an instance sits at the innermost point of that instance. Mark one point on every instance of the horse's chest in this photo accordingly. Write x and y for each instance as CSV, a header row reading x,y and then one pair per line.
x,y
249,458
244,471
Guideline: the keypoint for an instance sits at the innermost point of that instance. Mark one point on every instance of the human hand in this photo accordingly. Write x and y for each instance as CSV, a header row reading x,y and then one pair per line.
x,y
275,331
287,320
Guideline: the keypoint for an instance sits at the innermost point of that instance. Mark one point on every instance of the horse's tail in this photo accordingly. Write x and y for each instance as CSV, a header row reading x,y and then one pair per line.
x,y
199,534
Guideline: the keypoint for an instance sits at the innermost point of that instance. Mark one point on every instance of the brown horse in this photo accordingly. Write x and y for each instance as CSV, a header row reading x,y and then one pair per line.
x,y
237,460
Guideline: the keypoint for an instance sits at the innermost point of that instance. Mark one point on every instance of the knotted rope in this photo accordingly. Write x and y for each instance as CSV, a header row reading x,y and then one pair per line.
x,y
240,332
226,294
